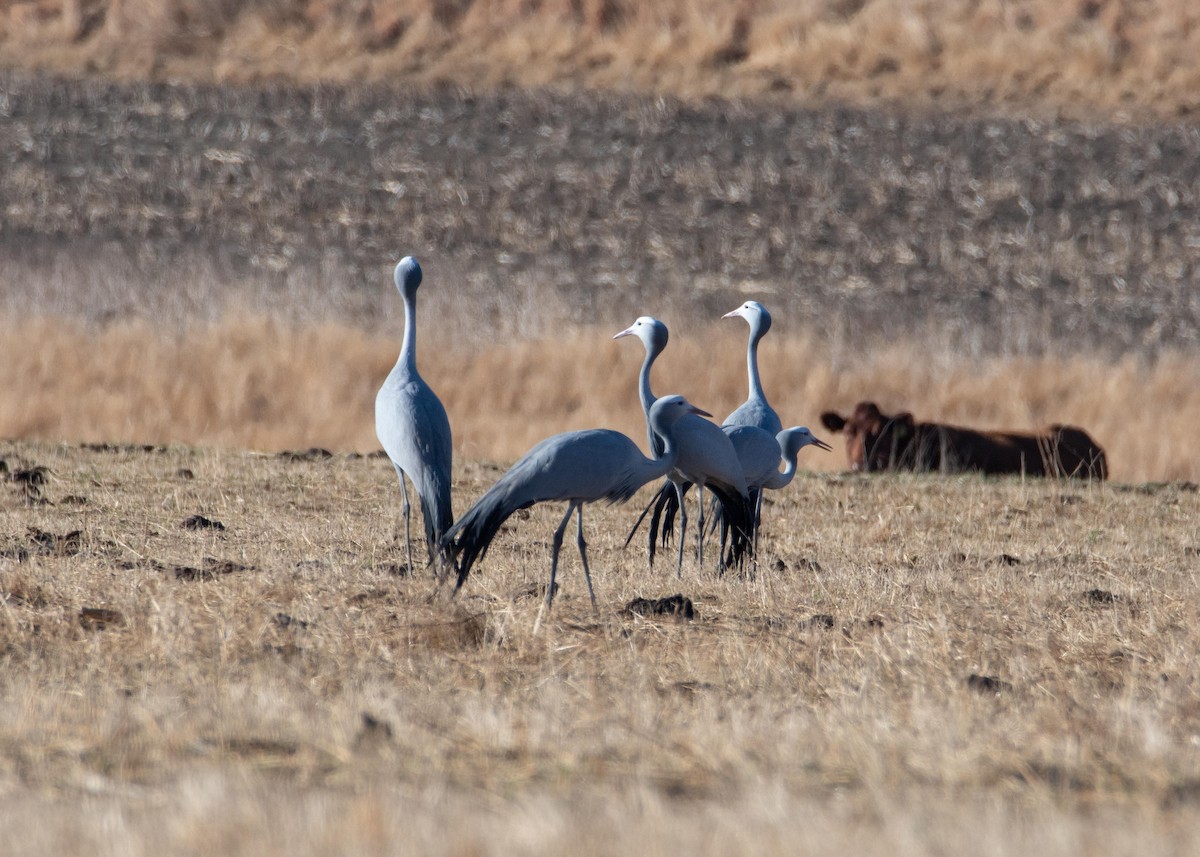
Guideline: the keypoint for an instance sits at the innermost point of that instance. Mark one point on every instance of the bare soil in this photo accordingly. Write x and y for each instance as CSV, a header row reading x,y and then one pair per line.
x,y
1003,235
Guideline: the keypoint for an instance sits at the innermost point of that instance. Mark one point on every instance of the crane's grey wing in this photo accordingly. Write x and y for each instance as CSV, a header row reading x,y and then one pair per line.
x,y
435,447
413,428
432,431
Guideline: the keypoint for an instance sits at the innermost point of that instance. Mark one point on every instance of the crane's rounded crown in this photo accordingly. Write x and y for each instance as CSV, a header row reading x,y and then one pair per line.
x,y
408,275
756,315
651,331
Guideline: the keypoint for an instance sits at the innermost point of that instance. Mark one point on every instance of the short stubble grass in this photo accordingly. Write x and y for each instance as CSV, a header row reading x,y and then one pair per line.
x,y
310,694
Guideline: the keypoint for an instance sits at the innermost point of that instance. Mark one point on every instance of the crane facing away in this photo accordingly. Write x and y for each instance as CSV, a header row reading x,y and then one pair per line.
x,y
412,425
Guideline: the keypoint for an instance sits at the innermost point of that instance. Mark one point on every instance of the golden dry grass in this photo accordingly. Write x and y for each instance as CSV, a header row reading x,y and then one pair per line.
x,y
311,701
1078,56
254,383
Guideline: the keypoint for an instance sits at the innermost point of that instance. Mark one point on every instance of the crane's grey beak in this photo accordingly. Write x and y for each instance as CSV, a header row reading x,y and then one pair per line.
x,y
626,332
697,411
820,444
735,314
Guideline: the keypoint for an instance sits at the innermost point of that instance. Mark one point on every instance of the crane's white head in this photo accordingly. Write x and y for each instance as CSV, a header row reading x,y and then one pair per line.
x,y
667,409
408,276
792,440
650,330
756,316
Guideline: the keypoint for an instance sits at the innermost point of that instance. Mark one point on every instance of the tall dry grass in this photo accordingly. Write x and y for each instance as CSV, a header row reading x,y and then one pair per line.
x,y
249,382
1079,56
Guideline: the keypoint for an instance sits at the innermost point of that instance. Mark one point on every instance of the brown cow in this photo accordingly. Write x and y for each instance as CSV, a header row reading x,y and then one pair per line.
x,y
876,441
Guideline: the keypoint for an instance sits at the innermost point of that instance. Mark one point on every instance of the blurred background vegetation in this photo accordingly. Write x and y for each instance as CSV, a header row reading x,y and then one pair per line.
x,y
926,194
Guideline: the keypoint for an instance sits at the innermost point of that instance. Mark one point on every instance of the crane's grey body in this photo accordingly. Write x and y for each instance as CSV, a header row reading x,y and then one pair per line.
x,y
578,467
413,428
755,411
705,458
757,451
588,465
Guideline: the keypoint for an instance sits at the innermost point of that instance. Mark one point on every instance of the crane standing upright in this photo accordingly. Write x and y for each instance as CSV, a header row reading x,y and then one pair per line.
x,y
412,425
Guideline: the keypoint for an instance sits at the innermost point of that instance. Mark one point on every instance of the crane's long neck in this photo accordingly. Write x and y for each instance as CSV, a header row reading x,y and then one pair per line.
x,y
648,398
408,349
644,391
756,390
667,450
782,478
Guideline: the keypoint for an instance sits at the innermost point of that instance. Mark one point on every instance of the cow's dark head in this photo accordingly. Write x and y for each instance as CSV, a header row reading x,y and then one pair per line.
x,y
874,440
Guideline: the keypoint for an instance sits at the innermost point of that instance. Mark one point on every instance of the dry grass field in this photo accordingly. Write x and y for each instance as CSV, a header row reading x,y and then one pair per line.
x,y
985,212
918,666
1128,57
258,384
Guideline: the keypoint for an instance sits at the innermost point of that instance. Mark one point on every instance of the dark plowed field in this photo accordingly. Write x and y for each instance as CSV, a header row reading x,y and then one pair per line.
x,y
1003,235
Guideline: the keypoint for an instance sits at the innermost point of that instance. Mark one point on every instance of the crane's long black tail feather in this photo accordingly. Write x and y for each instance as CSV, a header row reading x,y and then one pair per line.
x,y
737,526
715,519
666,512
661,509
662,522
735,513
467,542
638,523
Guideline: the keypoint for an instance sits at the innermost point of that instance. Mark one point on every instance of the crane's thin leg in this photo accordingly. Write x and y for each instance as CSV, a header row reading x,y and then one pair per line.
x,y
407,519
558,537
719,518
583,554
757,522
700,527
555,547
682,526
